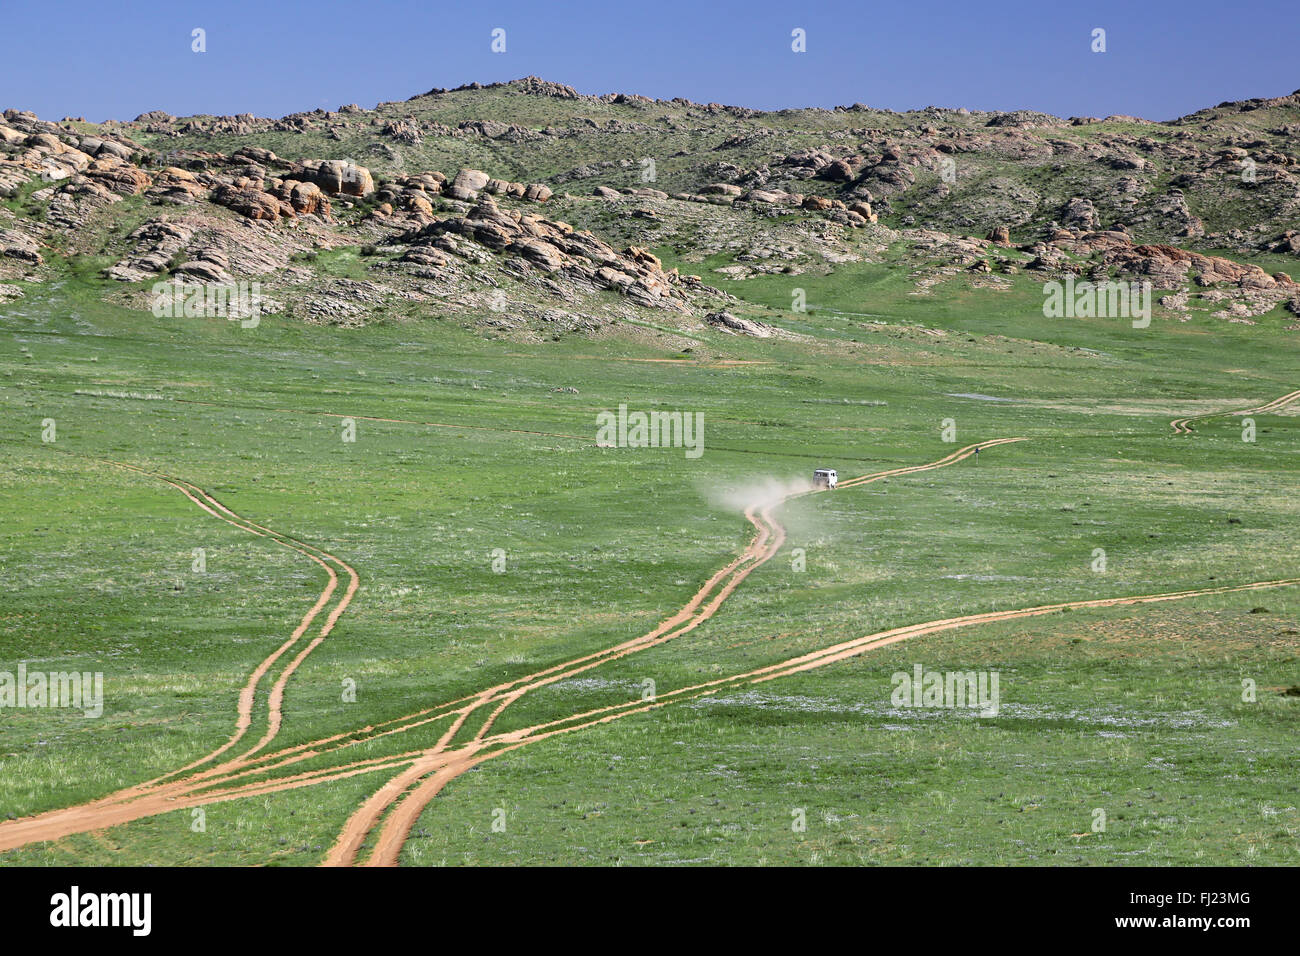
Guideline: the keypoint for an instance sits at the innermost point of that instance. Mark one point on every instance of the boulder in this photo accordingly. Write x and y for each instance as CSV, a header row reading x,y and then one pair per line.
x,y
47,141
308,199
539,253
117,150
471,179
255,154
863,209
251,203
336,177
119,177
839,171
352,180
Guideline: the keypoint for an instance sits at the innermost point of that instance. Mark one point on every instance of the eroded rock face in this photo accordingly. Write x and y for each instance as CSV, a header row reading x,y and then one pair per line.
x,y
578,257
160,242
197,246
734,324
404,132
17,245
177,185
1080,213
465,187
1170,214
256,155
335,177
252,203
1166,267
121,178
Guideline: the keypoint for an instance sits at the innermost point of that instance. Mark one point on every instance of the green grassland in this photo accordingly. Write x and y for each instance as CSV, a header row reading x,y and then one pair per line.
x,y
1137,711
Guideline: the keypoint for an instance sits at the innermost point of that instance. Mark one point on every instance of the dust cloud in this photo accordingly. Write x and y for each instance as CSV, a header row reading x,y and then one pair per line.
x,y
760,491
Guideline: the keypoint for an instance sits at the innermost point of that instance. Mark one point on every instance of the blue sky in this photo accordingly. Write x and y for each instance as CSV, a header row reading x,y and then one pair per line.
x,y
117,59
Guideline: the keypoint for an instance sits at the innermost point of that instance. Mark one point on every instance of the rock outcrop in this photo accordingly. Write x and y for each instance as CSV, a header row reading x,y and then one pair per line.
x,y
551,247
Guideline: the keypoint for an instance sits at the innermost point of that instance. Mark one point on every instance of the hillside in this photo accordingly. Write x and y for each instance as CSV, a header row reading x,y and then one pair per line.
x,y
543,212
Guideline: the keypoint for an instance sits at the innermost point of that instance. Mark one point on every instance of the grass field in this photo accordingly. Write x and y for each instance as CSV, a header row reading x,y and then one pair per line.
x,y
493,539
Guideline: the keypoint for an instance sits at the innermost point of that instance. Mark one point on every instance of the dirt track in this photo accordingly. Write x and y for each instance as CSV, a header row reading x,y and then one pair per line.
x,y
1182,426
412,793
168,793
396,827
327,561
158,791
386,818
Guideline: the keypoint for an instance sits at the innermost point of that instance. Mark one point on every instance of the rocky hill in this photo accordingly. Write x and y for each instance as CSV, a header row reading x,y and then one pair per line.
x,y
535,208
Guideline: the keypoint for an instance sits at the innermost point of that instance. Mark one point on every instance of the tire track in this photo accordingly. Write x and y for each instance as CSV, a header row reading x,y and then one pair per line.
x,y
395,807
247,696
1182,426
275,703
769,537
165,787
436,774
423,774
167,792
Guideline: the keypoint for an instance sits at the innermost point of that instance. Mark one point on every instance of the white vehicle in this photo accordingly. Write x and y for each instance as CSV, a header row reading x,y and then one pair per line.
x,y
825,478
